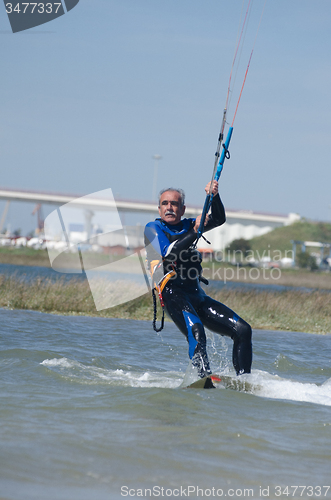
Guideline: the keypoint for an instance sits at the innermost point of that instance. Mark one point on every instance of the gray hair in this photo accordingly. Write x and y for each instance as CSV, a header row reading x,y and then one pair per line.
x,y
180,191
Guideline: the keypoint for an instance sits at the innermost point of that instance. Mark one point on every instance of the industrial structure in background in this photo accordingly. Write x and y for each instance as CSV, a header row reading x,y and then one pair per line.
x,y
40,219
321,259
4,215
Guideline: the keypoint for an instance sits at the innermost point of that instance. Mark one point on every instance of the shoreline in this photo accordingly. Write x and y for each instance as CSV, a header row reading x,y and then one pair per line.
x,y
287,310
214,271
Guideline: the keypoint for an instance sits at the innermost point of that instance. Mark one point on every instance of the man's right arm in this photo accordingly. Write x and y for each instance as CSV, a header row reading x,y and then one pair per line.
x,y
157,241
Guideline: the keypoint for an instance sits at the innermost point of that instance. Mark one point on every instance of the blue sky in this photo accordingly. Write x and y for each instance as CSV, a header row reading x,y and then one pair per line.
x,y
90,97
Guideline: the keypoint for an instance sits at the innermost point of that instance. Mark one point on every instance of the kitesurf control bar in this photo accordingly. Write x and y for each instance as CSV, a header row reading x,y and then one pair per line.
x,y
209,197
225,154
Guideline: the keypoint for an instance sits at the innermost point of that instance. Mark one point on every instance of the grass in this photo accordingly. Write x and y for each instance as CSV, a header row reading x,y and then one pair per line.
x,y
289,310
32,257
279,240
286,277
24,256
61,297
212,270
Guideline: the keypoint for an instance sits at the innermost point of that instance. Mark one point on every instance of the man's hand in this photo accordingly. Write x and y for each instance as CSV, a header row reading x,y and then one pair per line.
x,y
197,222
214,187
214,191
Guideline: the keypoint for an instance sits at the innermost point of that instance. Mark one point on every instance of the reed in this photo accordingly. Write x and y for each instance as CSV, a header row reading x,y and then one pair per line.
x,y
286,310
292,310
64,297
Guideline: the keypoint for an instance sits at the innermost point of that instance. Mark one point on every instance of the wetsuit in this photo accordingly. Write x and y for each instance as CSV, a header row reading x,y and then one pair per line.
x,y
176,268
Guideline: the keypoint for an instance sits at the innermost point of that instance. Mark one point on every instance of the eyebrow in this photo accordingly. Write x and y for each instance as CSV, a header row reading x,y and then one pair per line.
x,y
173,202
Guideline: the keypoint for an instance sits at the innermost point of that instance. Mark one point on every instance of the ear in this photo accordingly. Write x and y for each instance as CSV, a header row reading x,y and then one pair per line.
x,y
183,210
159,210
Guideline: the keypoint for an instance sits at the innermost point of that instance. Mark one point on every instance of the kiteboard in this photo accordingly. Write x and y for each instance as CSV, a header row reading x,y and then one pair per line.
x,y
208,382
240,384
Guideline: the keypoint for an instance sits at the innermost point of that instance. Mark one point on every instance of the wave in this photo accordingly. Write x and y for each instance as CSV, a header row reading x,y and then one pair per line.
x,y
263,384
90,374
259,383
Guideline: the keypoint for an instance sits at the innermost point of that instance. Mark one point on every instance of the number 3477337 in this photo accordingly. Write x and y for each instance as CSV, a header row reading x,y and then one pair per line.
x,y
33,8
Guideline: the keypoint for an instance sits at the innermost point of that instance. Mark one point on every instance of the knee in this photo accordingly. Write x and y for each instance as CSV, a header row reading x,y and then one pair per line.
x,y
196,339
243,332
198,332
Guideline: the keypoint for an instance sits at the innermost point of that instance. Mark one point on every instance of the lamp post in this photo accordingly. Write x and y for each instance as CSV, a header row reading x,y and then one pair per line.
x,y
156,164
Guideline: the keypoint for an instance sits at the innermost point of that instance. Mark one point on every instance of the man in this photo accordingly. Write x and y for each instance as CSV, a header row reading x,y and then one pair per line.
x,y
176,270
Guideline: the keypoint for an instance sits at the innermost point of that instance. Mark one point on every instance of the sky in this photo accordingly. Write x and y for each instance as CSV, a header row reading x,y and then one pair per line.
x,y
89,98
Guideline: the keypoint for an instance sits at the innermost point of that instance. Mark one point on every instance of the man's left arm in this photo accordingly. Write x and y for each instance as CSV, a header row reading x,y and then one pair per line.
x,y
217,215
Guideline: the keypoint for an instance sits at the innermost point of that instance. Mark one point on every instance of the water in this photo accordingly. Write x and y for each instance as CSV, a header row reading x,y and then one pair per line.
x,y
29,273
92,409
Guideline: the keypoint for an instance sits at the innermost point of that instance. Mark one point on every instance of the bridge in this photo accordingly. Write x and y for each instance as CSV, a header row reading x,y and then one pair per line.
x,y
240,223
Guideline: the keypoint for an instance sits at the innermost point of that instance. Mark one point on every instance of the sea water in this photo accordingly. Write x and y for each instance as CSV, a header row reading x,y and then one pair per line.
x,y
95,409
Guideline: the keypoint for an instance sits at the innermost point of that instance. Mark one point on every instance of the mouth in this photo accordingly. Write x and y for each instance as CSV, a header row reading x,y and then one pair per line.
x,y
168,212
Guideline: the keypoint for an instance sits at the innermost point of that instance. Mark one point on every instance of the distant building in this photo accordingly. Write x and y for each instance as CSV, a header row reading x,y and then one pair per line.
x,y
245,225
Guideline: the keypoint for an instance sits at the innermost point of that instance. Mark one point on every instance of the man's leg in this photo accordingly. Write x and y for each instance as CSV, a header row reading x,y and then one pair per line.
x,y
186,319
196,337
220,319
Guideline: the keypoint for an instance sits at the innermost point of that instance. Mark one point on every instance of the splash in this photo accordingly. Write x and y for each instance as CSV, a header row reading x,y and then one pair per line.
x,y
264,384
259,383
93,375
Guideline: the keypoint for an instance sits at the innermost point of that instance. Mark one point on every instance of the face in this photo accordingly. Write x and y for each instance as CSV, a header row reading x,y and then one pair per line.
x,y
171,210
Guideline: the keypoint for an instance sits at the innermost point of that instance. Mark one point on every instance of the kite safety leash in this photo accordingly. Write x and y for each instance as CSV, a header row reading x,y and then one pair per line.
x,y
155,311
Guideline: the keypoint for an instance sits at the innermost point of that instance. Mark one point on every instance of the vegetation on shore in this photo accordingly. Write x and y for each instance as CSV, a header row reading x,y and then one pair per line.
x,y
24,257
279,239
226,272
287,310
292,310
213,270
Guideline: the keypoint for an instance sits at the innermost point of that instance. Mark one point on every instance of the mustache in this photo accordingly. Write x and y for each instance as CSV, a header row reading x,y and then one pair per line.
x,y
170,212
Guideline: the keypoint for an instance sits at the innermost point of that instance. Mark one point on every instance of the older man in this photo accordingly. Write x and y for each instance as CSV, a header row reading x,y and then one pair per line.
x,y
175,266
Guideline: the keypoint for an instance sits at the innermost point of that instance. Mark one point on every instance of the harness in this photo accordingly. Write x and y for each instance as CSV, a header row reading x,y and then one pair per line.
x,y
163,269
157,265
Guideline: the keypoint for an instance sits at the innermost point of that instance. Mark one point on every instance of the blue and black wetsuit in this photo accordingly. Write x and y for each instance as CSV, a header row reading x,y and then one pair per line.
x,y
176,267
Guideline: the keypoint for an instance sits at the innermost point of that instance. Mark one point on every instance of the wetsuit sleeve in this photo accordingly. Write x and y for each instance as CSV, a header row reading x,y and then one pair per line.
x,y
155,240
217,216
